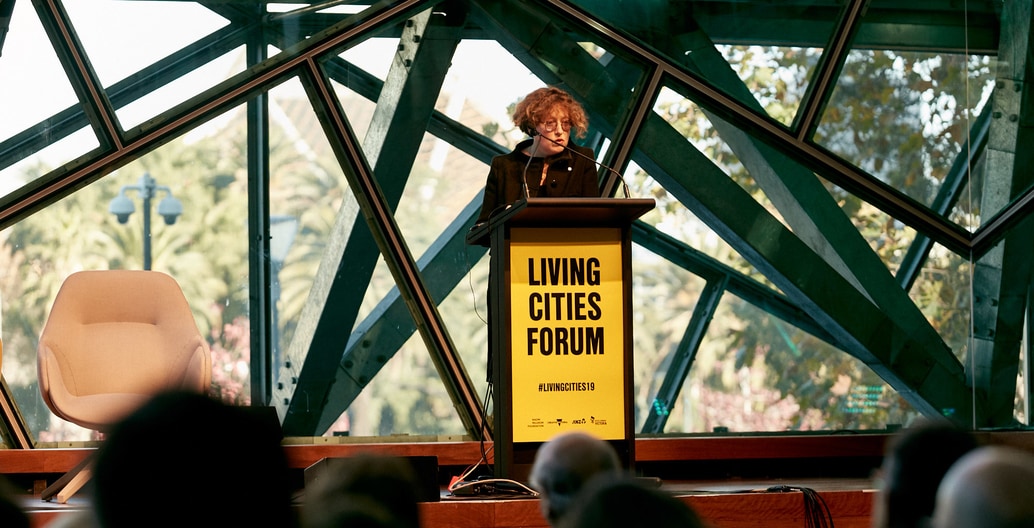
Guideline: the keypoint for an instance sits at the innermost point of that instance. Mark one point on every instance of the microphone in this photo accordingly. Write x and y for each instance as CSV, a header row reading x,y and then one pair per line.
x,y
524,175
573,151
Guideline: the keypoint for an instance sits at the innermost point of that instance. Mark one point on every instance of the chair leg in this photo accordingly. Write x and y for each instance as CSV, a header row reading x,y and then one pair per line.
x,y
77,482
73,480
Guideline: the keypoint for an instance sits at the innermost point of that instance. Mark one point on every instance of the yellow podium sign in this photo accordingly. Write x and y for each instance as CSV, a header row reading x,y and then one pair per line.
x,y
567,332
560,332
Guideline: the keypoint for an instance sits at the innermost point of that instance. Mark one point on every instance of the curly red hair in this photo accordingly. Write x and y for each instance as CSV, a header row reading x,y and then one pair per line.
x,y
539,104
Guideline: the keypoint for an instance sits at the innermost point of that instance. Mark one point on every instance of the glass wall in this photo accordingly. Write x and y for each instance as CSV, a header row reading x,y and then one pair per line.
x,y
836,243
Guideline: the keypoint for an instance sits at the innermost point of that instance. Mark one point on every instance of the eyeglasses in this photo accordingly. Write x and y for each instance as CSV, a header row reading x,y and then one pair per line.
x,y
550,126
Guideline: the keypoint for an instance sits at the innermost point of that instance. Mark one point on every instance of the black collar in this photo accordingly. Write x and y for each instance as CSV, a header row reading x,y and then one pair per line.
x,y
564,155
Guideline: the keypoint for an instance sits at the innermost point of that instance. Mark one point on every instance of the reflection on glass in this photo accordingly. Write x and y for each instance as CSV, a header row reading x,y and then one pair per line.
x,y
163,94
148,33
204,251
307,189
760,53
900,111
1000,338
663,297
707,137
889,238
144,33
942,291
43,125
440,188
28,58
405,398
777,77
755,372
904,116
46,156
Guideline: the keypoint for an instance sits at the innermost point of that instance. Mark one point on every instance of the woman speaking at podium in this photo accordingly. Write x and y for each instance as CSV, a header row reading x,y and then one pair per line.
x,y
542,166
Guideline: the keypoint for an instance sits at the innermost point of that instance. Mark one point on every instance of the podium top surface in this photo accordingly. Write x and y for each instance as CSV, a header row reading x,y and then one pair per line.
x,y
563,212
581,211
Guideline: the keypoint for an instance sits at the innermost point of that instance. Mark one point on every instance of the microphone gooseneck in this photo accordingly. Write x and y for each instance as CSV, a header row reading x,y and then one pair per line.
x,y
569,149
524,175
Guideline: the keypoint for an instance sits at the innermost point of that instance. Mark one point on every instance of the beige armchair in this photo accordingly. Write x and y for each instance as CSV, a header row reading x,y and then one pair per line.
x,y
114,339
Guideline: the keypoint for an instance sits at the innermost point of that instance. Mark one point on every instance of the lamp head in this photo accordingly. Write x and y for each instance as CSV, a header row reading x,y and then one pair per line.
x,y
170,208
121,206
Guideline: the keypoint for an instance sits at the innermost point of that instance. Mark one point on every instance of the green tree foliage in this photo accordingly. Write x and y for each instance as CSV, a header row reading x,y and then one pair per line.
x,y
205,251
902,116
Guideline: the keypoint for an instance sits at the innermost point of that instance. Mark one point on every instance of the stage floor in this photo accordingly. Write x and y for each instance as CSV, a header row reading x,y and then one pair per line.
x,y
724,491
731,503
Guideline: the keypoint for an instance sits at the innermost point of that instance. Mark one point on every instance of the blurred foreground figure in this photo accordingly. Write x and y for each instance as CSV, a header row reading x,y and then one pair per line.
x,y
913,465
988,488
364,491
564,465
184,459
623,502
12,514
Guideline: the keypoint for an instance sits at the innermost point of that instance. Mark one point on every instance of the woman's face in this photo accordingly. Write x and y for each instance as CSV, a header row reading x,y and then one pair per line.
x,y
554,133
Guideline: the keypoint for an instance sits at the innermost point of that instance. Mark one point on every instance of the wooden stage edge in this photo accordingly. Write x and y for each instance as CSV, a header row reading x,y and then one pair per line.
x,y
727,479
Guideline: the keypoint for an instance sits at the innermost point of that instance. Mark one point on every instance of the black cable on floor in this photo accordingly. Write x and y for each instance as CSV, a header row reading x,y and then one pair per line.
x,y
816,511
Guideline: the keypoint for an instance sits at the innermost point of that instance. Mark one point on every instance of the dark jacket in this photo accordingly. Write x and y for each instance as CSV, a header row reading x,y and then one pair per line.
x,y
569,176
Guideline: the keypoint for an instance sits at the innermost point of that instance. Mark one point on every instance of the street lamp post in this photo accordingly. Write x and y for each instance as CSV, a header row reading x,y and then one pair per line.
x,y
169,208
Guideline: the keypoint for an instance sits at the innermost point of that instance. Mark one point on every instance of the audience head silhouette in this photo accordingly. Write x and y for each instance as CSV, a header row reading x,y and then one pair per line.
x,y
915,461
609,501
564,465
11,512
364,491
184,459
987,488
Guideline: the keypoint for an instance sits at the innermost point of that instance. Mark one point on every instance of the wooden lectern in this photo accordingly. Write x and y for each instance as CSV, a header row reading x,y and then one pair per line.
x,y
560,324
